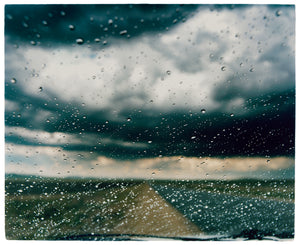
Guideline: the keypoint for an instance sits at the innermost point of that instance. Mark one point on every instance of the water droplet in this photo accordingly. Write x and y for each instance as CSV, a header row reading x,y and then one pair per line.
x,y
45,22
25,25
97,40
13,80
193,137
223,68
106,121
82,104
149,141
278,13
251,69
232,115
62,13
8,16
110,21
71,27
168,72
241,64
123,32
104,42
268,161
79,41
40,89
33,43
48,120
151,101
128,119
203,111
153,173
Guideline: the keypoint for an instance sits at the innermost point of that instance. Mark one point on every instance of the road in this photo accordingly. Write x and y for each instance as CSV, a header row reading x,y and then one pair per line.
x,y
226,214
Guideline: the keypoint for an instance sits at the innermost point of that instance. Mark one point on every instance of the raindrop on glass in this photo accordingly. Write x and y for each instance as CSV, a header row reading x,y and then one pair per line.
x,y
128,119
13,80
71,27
79,41
278,13
47,120
8,16
193,137
149,141
40,89
25,25
123,32
203,111
232,115
251,69
223,68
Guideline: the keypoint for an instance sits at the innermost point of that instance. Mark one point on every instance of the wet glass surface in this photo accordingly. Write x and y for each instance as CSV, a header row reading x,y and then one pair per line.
x,y
149,122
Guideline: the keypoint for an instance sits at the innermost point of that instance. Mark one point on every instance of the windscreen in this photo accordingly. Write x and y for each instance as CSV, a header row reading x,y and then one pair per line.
x,y
144,121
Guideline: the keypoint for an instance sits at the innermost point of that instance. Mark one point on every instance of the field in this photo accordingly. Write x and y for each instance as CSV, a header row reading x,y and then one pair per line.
x,y
51,208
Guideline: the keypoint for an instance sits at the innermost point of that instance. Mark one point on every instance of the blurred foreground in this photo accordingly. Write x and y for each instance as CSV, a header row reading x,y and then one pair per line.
x,y
52,208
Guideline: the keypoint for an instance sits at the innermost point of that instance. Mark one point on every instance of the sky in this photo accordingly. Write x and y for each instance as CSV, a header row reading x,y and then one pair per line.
x,y
150,91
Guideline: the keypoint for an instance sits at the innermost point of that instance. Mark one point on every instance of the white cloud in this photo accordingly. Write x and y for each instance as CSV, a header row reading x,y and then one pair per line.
x,y
129,75
42,137
62,139
11,106
54,161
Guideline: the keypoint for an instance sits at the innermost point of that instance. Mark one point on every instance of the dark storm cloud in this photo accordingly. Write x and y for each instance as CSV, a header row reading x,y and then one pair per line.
x,y
262,125
58,24
266,133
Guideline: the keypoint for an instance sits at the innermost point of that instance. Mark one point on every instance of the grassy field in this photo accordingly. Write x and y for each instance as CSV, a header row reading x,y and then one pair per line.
x,y
281,190
50,208
53,209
